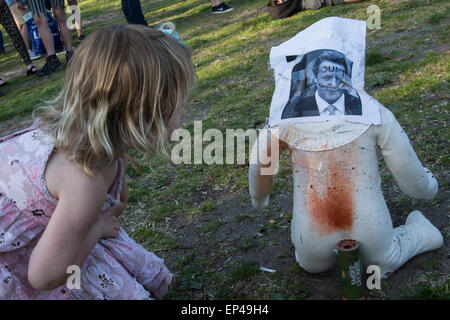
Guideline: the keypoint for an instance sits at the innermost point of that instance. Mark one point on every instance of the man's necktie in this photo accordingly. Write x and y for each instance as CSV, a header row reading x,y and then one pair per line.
x,y
331,110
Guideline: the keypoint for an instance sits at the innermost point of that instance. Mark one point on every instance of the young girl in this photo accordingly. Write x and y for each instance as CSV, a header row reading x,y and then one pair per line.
x,y
62,181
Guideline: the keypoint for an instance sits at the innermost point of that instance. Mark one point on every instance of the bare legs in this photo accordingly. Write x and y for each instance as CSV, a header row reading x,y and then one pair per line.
x,y
46,35
66,34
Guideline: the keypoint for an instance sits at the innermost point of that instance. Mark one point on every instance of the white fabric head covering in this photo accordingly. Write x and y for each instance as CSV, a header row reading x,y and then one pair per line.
x,y
346,36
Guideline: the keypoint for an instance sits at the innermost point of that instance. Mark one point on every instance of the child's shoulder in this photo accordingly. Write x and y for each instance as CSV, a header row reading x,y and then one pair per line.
x,y
65,177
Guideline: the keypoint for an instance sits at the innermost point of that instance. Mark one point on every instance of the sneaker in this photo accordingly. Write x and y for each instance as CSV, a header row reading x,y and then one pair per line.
x,y
33,56
51,64
221,8
82,37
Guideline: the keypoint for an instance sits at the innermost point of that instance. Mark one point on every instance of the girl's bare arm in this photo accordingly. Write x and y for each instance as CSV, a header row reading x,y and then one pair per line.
x,y
74,227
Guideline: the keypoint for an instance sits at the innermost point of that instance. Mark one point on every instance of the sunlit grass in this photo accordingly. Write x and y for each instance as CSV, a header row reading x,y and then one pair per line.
x,y
407,69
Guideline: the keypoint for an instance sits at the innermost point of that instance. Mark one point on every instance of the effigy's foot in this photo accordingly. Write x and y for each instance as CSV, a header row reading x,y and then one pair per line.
x,y
430,236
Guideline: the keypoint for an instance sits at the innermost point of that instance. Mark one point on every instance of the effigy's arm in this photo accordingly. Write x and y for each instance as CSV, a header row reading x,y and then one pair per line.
x,y
412,178
264,160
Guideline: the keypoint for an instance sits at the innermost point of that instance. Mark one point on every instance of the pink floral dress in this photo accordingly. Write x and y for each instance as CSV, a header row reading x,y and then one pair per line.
x,y
117,268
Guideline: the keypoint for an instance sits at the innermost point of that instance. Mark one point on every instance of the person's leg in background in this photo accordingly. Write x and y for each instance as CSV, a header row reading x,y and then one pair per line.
x,y
78,24
18,11
38,8
40,17
66,34
133,12
219,7
126,10
2,52
7,20
2,48
24,32
26,39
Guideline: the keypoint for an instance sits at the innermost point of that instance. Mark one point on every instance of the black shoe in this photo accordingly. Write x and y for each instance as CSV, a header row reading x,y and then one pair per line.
x,y
51,64
69,55
82,37
32,70
221,8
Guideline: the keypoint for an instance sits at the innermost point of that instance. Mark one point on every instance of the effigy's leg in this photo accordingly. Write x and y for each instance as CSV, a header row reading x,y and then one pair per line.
x,y
416,236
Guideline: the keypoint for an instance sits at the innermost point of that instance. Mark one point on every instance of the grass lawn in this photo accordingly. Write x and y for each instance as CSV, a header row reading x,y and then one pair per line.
x,y
199,218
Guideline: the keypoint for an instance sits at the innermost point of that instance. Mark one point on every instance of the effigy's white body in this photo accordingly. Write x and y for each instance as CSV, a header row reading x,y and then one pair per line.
x,y
337,192
337,184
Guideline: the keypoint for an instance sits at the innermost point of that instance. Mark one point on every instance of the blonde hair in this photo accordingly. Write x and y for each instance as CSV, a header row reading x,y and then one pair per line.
x,y
121,88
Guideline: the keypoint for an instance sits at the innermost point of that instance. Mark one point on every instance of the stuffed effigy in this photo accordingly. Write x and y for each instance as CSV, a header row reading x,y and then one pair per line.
x,y
335,132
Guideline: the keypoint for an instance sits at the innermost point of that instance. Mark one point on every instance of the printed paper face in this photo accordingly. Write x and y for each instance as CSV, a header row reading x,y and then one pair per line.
x,y
319,75
321,86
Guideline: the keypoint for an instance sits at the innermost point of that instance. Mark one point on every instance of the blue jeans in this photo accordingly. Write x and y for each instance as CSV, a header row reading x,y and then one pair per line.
x,y
133,12
1,42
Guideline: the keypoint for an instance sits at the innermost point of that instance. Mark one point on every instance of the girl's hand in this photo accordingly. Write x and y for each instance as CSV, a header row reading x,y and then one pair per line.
x,y
117,209
108,225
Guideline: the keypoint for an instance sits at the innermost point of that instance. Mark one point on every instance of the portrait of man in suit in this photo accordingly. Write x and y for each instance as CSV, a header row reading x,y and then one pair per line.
x,y
328,94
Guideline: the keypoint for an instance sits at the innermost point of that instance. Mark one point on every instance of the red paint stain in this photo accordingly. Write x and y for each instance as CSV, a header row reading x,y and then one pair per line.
x,y
332,206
